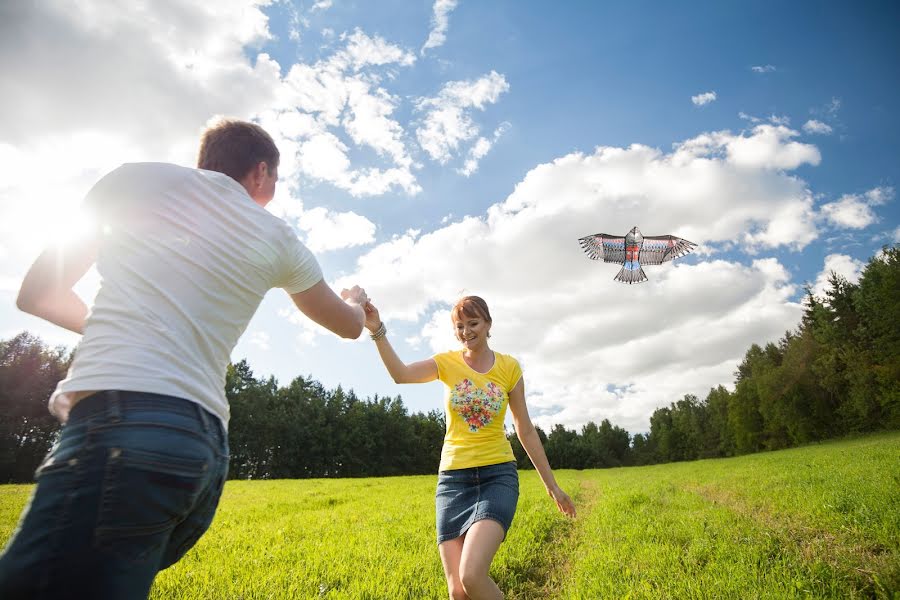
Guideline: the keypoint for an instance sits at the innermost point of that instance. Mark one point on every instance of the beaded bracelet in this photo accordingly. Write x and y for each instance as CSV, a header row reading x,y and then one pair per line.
x,y
379,333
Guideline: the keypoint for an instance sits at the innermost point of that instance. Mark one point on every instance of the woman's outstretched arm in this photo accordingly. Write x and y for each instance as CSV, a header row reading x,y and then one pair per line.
x,y
422,371
532,443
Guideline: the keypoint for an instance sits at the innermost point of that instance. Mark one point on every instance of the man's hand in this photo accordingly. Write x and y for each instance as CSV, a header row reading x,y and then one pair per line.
x,y
356,295
343,317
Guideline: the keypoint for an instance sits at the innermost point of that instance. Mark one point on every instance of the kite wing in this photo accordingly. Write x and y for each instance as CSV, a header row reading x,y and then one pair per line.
x,y
658,249
605,247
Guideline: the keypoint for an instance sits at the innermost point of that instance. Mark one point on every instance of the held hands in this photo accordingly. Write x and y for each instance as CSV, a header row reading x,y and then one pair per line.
x,y
355,295
563,502
357,299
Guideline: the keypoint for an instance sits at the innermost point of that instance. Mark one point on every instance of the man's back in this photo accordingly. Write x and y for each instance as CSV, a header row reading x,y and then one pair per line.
x,y
185,258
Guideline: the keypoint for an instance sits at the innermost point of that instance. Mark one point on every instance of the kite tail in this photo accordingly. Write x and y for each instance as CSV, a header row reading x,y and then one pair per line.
x,y
632,275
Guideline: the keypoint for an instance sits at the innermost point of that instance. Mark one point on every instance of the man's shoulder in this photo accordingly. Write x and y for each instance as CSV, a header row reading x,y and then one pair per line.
x,y
173,171
146,173
188,180
147,167
134,180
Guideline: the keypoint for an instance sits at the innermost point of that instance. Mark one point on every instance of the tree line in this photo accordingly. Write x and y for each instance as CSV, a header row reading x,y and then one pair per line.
x,y
838,373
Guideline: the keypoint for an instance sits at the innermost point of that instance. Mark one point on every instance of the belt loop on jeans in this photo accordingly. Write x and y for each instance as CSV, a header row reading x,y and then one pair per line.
x,y
113,406
204,418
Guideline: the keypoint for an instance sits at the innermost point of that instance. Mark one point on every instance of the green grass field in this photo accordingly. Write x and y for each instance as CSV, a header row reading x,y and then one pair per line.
x,y
816,522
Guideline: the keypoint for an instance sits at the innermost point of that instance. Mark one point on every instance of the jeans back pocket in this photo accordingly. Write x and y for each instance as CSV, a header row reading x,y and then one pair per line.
x,y
145,494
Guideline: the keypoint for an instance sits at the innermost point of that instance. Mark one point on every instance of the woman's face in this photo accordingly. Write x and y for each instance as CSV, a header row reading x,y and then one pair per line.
x,y
472,331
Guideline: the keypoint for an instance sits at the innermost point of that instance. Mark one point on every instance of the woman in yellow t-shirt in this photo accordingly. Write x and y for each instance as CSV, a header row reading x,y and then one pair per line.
x,y
478,485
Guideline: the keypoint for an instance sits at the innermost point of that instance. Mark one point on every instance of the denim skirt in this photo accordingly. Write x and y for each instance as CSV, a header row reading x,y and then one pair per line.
x,y
465,496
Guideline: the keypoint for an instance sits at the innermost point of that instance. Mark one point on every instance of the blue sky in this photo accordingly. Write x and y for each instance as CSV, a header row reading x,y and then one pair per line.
x,y
431,149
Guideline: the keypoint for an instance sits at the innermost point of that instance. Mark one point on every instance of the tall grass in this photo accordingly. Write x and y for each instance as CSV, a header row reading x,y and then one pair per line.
x,y
821,521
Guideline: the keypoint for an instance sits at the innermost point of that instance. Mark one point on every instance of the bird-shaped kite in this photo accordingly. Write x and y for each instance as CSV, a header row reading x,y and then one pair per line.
x,y
633,250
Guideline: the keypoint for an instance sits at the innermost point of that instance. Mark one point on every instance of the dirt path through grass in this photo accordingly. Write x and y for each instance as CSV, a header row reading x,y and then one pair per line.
x,y
551,566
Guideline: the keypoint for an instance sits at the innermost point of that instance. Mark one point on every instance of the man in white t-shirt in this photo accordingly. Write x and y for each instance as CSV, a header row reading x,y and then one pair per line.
x,y
185,257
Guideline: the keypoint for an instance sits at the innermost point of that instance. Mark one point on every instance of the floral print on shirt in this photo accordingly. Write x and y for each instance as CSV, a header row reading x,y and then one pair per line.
x,y
475,405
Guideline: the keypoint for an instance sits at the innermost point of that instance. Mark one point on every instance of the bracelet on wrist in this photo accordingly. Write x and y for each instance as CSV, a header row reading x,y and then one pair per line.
x,y
379,333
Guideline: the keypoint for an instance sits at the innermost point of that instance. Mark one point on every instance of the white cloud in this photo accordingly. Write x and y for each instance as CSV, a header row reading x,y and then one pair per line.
x,y
261,340
324,156
897,235
591,347
813,126
309,330
447,122
853,211
480,149
172,85
843,265
368,123
327,230
112,83
879,195
157,83
829,111
342,94
10,284
704,98
363,50
439,23
767,147
770,146
773,119
296,22
763,68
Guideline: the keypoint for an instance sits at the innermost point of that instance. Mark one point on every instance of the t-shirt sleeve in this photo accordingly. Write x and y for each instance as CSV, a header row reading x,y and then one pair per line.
x,y
106,200
300,269
107,187
441,361
515,373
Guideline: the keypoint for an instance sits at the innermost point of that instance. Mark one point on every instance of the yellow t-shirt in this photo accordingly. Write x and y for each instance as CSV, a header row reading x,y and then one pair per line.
x,y
475,405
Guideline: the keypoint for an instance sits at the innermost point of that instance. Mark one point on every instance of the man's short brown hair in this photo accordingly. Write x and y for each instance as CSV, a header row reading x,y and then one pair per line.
x,y
235,148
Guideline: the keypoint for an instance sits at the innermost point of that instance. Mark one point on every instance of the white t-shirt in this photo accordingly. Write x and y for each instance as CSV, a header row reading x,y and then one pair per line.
x,y
185,258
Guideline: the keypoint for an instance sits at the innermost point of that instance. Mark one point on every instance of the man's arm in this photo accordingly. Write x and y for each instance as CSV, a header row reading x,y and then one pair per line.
x,y
46,291
343,317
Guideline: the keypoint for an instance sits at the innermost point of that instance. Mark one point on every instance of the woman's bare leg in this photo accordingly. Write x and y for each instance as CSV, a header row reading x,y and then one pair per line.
x,y
480,545
451,552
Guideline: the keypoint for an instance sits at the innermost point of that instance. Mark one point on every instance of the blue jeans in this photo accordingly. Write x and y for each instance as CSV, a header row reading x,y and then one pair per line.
x,y
131,486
